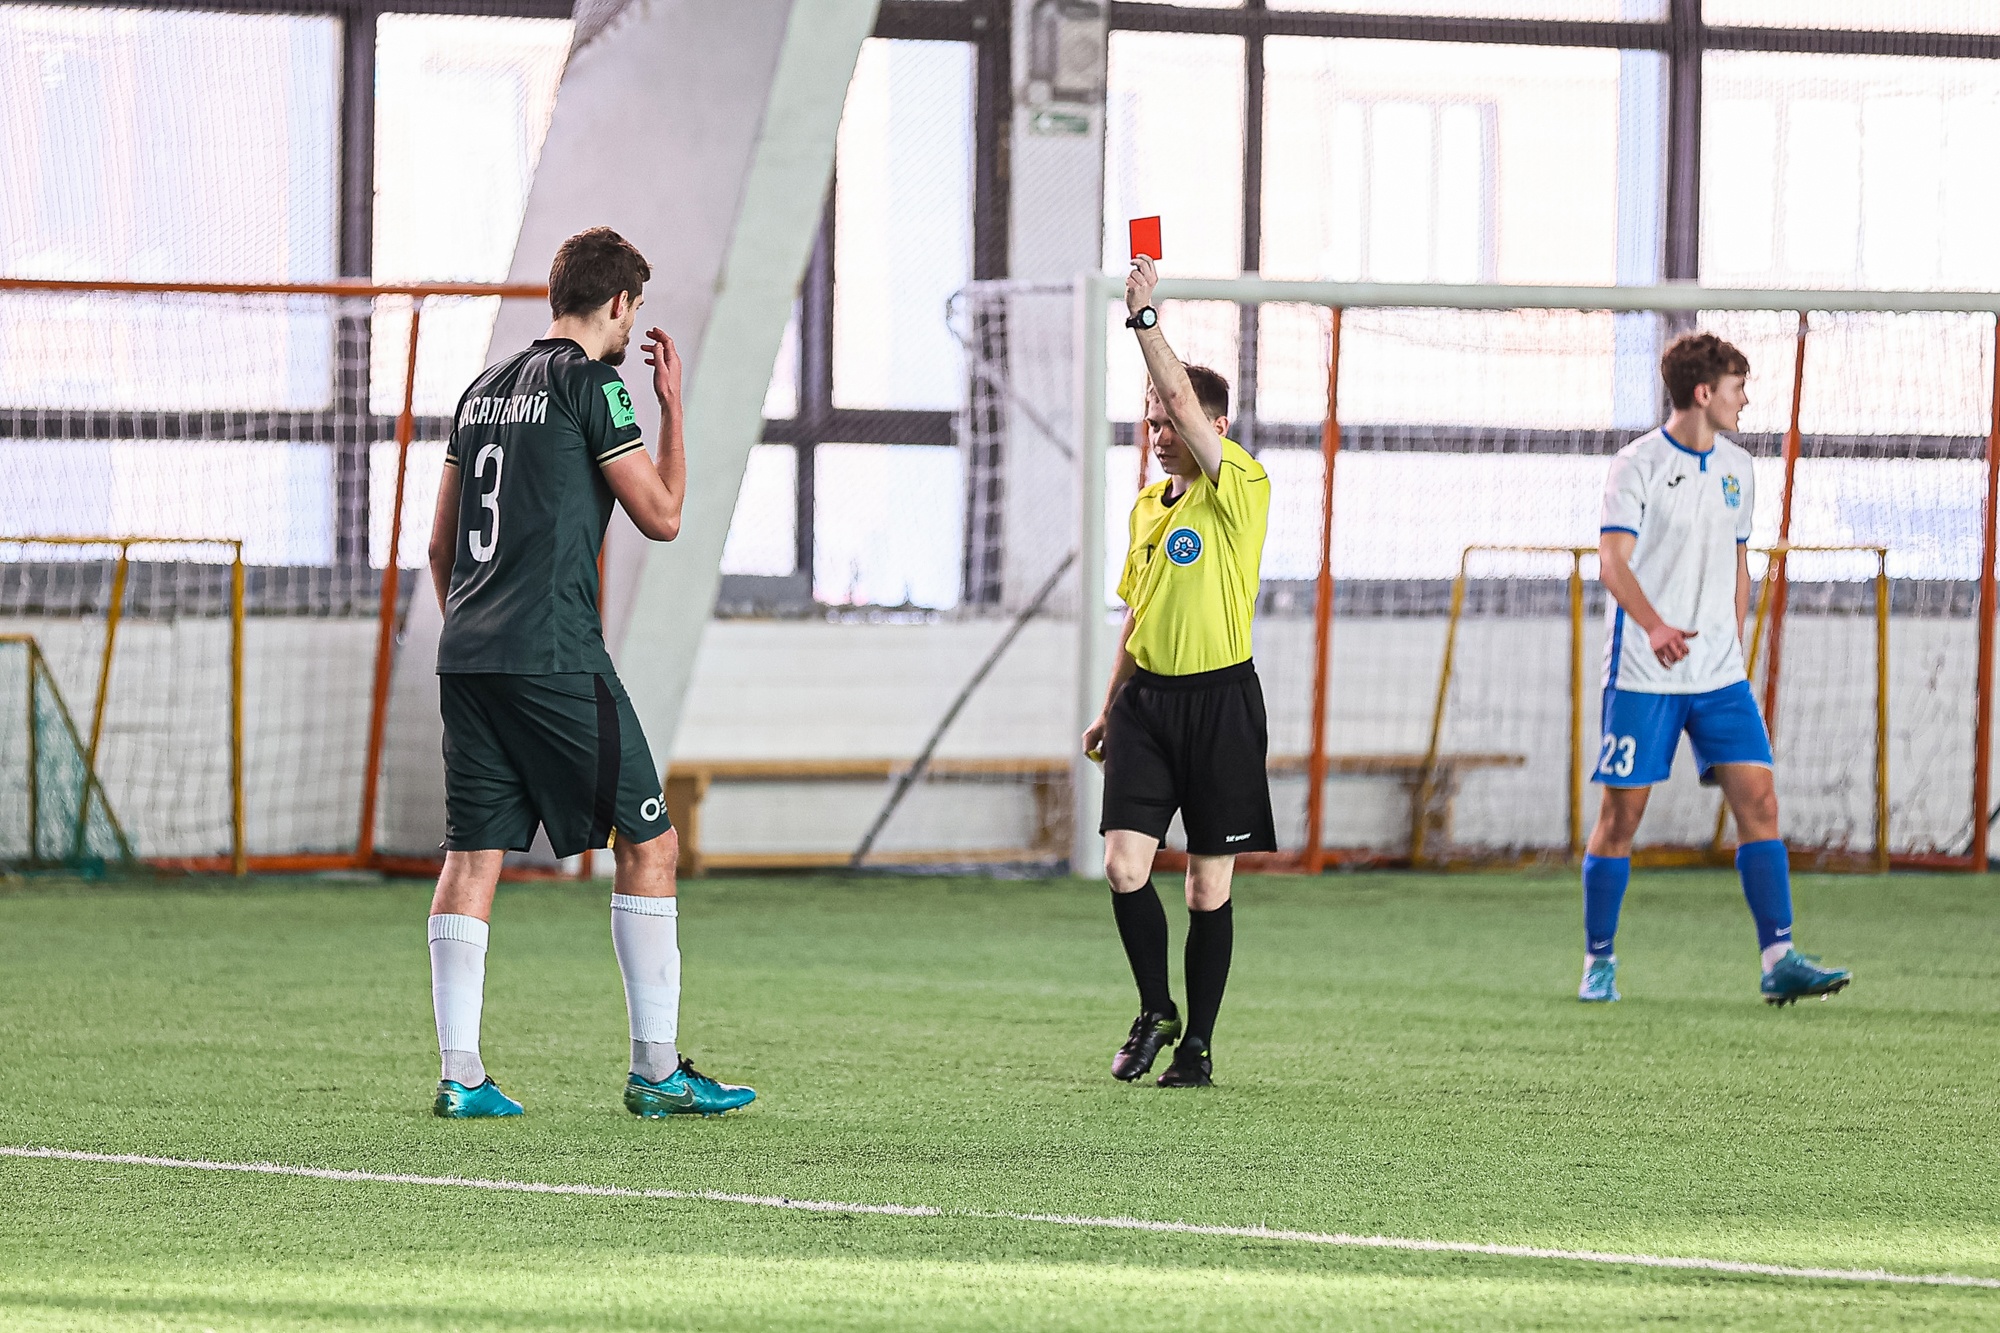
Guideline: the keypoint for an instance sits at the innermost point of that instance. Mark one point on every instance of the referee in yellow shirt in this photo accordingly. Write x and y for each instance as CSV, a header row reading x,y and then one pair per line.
x,y
1183,721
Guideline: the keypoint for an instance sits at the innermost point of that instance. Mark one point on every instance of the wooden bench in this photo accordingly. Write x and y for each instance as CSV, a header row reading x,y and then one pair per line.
x,y
1430,811
688,782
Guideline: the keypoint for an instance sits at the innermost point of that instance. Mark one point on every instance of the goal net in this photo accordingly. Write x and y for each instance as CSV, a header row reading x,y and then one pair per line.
x,y
199,532
1514,740
1491,428
1464,436
53,813
989,784
147,637
1446,424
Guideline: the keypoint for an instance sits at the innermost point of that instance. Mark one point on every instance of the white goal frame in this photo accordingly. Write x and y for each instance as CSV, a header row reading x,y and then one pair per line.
x,y
1095,291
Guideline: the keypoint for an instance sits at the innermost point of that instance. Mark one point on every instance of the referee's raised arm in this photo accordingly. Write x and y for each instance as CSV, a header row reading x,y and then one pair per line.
x,y
1169,376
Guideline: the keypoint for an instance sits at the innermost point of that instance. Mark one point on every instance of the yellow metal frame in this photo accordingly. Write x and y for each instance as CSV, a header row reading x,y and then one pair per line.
x,y
1427,782
38,668
34,742
1760,636
114,613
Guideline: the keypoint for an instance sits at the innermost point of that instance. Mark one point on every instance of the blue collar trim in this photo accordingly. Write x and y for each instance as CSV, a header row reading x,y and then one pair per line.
x,y
1698,453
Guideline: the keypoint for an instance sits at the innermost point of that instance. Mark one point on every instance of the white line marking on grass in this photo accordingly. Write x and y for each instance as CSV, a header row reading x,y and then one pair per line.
x,y
1503,1251
471,1183
1410,1244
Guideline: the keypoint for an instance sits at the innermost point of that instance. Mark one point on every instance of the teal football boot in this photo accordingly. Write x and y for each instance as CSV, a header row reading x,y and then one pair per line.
x,y
455,1101
686,1091
650,1101
1796,976
1600,980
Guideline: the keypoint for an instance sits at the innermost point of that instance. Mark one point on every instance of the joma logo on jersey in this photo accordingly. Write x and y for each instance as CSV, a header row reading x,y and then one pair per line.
x,y
528,407
1732,491
1184,546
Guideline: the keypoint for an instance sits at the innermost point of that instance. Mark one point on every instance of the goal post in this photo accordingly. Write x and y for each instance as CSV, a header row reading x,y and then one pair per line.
x,y
165,712
1768,622
259,458
1877,447
1515,723
1095,638
1422,822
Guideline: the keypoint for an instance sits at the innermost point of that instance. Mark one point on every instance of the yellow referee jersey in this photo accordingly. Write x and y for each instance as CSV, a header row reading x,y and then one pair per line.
x,y
1191,573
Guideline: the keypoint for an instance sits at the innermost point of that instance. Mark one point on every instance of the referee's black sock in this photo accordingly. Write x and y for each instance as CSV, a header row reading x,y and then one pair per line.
x,y
1142,925
1211,939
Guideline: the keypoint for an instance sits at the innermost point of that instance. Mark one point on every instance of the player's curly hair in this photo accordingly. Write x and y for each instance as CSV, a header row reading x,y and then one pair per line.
x,y
1695,359
592,267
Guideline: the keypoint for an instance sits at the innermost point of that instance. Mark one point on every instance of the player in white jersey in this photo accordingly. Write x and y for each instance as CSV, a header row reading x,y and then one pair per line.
x,y
1672,554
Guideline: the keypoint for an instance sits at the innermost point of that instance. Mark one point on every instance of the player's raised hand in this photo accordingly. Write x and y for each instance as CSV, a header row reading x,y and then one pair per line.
x,y
1670,645
1139,284
666,363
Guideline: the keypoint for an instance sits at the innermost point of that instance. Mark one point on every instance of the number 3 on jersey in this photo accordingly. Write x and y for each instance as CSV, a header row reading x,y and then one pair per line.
x,y
485,539
1616,757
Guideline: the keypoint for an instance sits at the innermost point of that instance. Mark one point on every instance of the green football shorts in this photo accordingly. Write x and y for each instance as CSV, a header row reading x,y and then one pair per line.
x,y
562,751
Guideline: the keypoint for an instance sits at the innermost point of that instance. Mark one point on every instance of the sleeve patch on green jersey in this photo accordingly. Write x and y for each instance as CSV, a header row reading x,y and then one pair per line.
x,y
621,405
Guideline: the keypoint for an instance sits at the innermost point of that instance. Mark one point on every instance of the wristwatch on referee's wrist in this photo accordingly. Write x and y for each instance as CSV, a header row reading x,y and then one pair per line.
x,y
1144,318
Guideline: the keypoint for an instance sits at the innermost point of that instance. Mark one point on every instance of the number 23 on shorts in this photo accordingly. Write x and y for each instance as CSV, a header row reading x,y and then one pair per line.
x,y
1615,758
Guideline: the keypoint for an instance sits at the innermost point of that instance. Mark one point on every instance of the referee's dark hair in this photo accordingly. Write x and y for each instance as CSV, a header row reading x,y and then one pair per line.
x,y
592,267
1210,390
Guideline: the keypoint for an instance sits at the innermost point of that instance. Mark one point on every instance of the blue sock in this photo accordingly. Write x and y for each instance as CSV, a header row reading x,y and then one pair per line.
x,y
1604,881
1767,887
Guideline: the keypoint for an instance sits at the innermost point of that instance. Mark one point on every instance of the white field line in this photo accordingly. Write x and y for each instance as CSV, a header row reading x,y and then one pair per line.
x,y
469,1183
1685,1263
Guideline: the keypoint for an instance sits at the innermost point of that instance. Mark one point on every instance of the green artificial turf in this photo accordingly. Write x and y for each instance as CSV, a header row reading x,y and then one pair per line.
x,y
1397,1054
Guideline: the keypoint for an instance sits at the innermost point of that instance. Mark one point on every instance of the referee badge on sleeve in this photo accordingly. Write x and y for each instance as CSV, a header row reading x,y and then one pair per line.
x,y
1183,546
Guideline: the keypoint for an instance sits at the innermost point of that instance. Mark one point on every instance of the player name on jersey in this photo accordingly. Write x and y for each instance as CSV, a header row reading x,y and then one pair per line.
x,y
521,407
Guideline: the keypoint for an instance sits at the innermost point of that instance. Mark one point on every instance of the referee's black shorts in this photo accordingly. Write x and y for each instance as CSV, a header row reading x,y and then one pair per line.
x,y
1194,744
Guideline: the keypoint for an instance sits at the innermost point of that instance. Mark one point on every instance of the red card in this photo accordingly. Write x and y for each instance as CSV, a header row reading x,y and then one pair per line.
x,y
1146,238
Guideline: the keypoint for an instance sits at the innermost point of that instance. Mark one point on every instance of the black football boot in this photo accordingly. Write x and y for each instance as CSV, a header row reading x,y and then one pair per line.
x,y
1150,1031
1191,1067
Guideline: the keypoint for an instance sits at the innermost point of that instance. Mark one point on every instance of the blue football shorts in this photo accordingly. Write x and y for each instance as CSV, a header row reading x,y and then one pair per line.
x,y
1642,731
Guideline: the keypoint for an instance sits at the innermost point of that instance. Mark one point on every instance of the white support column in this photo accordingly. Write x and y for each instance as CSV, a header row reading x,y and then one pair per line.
x,y
1056,234
1093,638
1642,210
782,190
1055,181
704,133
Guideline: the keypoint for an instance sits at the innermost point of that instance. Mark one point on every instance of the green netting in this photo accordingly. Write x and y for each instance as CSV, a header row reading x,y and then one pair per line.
x,y
53,815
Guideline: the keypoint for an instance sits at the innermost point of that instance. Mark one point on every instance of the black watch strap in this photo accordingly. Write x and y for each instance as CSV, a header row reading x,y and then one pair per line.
x,y
1144,318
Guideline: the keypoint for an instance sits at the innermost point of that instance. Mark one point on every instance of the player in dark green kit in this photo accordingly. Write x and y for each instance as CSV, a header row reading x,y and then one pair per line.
x,y
537,730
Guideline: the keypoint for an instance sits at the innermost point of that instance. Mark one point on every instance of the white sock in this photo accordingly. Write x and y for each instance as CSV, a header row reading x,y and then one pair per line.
x,y
1775,952
645,934
458,991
